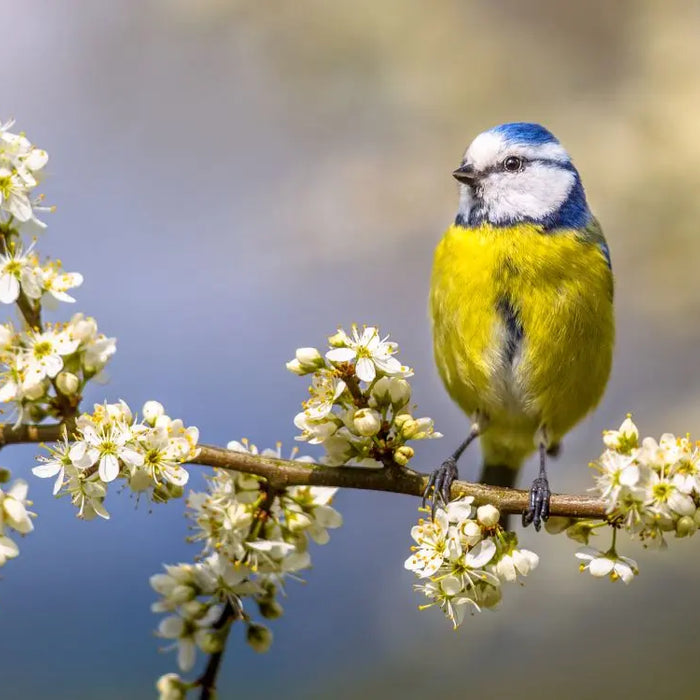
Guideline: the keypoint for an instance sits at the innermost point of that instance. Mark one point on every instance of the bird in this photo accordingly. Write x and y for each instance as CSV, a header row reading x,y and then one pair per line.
x,y
521,305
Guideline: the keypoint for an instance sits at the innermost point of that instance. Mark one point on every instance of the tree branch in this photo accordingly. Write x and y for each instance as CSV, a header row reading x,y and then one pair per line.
x,y
207,681
282,473
11,435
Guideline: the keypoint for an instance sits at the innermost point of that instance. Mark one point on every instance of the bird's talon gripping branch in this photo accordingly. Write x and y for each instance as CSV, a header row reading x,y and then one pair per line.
x,y
440,483
442,478
540,495
538,512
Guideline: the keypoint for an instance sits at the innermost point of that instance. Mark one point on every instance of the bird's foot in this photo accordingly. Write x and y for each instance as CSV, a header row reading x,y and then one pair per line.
x,y
538,512
441,483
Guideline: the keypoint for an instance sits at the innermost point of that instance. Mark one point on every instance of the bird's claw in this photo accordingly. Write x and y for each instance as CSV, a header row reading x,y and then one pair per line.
x,y
441,484
538,512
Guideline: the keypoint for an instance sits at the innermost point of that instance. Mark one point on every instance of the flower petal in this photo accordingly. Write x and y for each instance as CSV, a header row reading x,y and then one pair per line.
x,y
109,468
601,566
365,370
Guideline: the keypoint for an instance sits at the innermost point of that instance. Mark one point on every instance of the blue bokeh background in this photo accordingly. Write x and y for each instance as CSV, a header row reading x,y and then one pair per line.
x,y
235,179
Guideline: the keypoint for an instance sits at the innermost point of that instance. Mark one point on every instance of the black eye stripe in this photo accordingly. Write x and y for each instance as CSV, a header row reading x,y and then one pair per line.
x,y
526,162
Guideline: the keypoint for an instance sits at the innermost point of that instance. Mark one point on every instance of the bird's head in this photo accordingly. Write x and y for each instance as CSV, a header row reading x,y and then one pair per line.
x,y
519,172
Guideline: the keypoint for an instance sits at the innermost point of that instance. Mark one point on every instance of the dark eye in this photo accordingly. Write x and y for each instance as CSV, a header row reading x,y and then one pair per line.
x,y
512,164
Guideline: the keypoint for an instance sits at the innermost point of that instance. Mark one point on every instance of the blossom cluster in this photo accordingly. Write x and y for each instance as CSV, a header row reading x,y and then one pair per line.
x,y
21,164
13,516
358,407
37,364
21,273
110,443
464,556
253,537
651,489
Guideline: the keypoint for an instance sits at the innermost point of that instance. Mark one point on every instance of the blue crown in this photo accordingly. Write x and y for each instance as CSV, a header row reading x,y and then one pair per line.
x,y
524,132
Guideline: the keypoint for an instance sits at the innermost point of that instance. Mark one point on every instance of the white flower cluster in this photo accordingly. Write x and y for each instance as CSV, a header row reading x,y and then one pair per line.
x,y
15,516
109,444
653,488
20,172
37,363
20,271
650,489
359,404
465,555
254,537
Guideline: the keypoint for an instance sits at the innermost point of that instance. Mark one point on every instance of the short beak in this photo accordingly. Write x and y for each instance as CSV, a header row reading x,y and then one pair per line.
x,y
465,174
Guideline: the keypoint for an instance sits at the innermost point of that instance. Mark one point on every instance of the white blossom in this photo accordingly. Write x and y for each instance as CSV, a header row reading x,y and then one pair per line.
x,y
465,556
109,444
18,272
601,564
370,353
44,353
13,508
56,464
188,633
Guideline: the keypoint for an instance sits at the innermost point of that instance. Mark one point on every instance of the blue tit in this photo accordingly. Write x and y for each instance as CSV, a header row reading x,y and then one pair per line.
x,y
521,303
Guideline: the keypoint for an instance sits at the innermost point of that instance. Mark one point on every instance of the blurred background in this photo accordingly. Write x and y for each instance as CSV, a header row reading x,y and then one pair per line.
x,y
235,178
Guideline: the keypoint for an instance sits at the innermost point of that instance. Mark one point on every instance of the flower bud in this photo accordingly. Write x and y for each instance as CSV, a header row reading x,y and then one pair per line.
x,y
34,391
403,454
581,531
309,359
338,340
399,392
556,524
171,687
67,383
409,428
380,391
211,642
472,532
367,422
83,328
182,594
259,637
194,609
401,419
152,411
487,515
294,366
5,475
270,609
685,526
36,413
120,412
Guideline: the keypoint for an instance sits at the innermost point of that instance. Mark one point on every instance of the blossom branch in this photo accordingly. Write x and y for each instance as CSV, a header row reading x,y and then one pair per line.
x,y
282,473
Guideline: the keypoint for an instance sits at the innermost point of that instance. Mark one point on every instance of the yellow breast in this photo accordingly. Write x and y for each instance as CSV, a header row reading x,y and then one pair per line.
x,y
522,326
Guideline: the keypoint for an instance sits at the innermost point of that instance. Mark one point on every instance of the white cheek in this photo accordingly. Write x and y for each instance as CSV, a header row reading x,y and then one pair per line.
x,y
466,202
533,194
